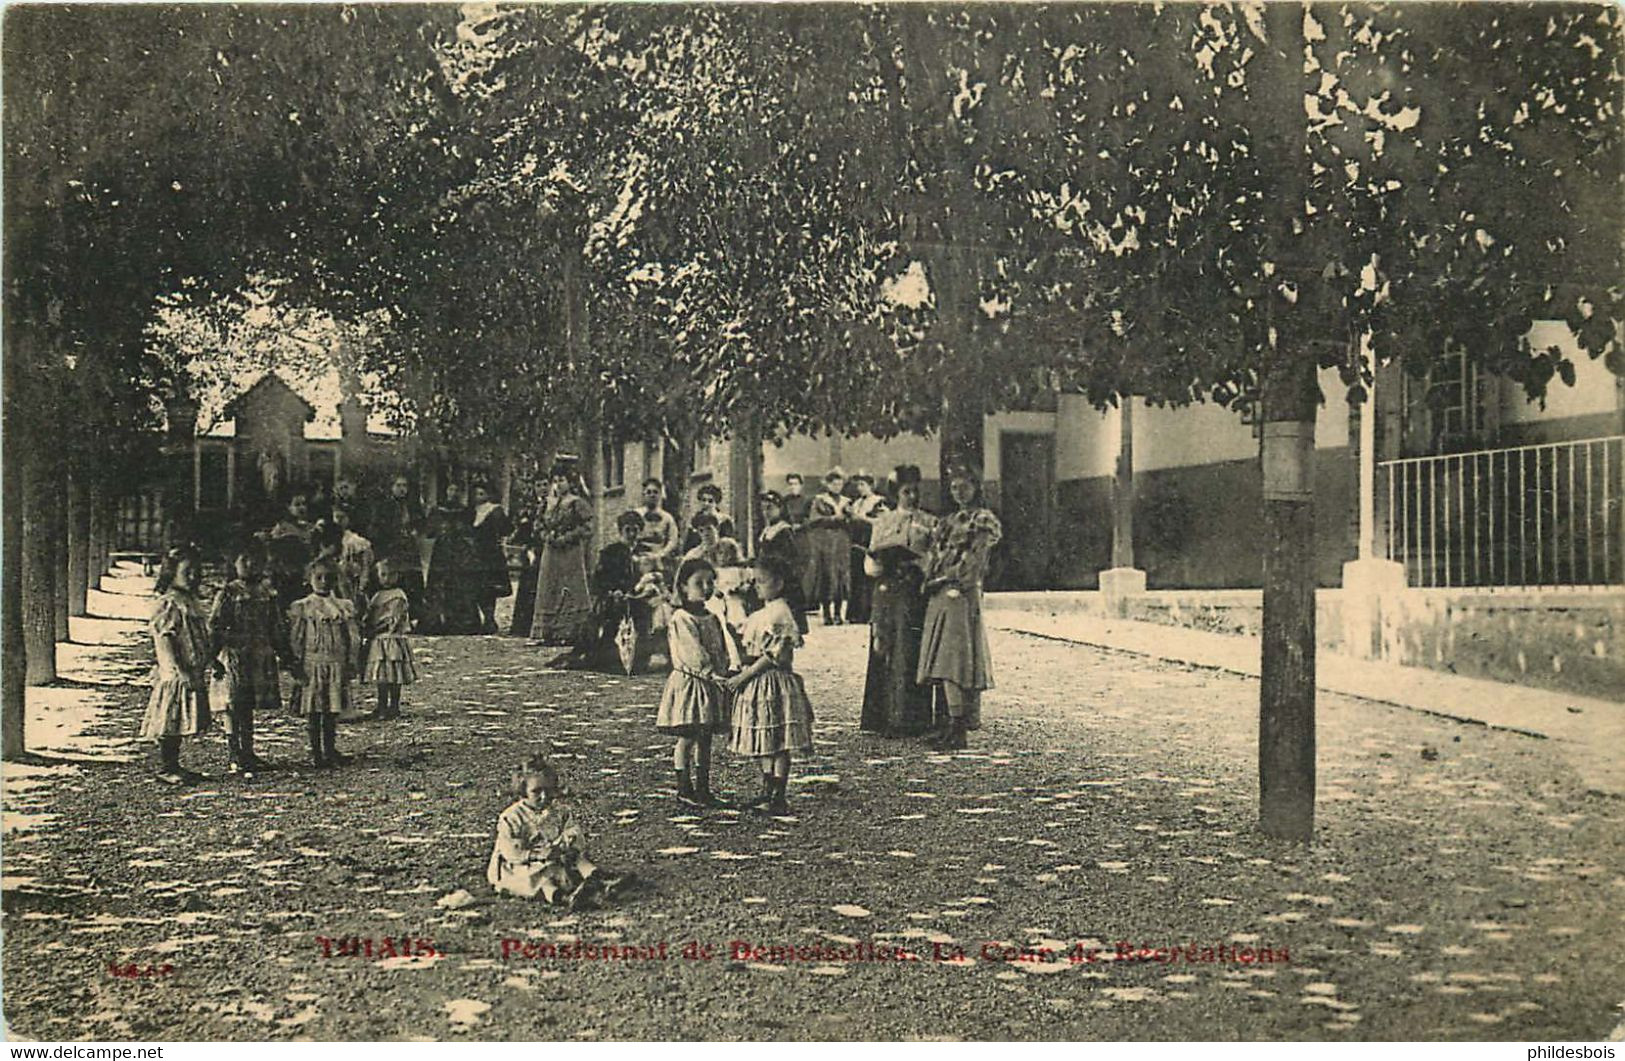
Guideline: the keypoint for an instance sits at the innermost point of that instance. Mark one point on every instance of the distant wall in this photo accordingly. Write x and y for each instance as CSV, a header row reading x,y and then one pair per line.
x,y
1198,526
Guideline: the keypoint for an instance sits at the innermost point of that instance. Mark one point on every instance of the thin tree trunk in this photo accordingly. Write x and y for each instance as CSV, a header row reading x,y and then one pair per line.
x,y
13,649
78,546
39,573
96,552
59,562
1123,487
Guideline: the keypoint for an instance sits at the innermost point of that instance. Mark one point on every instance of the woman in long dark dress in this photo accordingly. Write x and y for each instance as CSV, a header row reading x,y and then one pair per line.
x,y
779,539
397,527
614,578
865,509
563,602
491,526
453,568
524,594
895,704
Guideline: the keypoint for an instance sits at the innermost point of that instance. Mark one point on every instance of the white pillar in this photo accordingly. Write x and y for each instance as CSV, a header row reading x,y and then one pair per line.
x,y
1368,473
1373,586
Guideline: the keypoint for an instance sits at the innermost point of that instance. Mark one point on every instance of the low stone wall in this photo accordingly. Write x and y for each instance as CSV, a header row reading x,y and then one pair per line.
x,y
1572,642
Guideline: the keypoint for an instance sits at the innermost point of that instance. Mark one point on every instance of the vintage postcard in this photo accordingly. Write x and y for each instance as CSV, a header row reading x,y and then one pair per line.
x,y
863,522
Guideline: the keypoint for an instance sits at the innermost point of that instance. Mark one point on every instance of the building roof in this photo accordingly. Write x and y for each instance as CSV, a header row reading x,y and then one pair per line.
x,y
268,384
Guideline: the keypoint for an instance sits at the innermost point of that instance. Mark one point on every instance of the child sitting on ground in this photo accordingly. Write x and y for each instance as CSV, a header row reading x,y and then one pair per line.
x,y
540,851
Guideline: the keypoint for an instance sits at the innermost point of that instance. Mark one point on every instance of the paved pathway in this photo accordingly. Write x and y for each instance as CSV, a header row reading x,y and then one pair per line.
x,y
1463,885
1587,733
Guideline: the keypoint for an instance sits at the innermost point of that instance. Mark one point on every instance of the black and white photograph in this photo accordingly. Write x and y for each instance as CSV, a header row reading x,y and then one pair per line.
x,y
794,522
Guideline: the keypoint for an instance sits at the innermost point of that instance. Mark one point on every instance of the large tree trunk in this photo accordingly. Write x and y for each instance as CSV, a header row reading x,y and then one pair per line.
x,y
39,571
1289,398
78,545
13,649
1286,719
676,465
962,427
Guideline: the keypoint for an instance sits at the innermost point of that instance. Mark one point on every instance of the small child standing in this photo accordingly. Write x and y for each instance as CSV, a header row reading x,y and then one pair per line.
x,y
694,704
389,654
249,640
772,717
179,704
540,851
325,641
650,589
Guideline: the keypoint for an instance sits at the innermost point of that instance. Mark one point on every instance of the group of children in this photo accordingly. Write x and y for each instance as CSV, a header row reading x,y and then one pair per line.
x,y
540,851
740,683
244,641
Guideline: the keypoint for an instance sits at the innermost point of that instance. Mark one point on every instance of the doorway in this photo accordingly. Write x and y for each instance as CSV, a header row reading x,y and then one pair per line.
x,y
1027,510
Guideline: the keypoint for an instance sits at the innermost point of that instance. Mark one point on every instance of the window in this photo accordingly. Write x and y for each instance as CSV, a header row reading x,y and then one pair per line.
x,y
699,462
1444,412
614,464
1454,397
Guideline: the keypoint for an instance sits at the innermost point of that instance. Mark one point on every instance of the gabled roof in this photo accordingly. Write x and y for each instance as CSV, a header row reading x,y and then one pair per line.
x,y
268,384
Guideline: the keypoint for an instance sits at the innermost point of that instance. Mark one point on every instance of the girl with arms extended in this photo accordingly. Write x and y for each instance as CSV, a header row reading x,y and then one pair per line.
x,y
694,704
772,717
953,650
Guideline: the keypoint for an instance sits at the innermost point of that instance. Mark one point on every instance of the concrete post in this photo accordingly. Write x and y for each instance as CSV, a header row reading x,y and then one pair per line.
x,y
1373,586
1123,580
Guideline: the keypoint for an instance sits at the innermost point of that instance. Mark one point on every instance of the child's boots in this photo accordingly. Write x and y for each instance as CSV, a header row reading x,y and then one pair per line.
x,y
775,804
769,786
702,786
685,790
780,804
330,725
953,738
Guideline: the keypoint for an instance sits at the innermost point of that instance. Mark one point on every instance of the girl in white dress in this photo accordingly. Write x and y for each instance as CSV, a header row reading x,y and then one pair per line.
x,y
694,704
772,717
540,851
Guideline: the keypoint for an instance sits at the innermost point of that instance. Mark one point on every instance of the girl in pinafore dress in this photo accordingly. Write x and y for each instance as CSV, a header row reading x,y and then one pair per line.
x,y
249,641
772,717
389,654
540,851
325,638
179,704
953,647
694,704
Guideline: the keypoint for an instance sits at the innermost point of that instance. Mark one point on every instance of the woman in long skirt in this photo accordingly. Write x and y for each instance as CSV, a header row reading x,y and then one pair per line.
x,y
453,588
895,704
524,594
953,648
829,544
864,510
563,601
490,527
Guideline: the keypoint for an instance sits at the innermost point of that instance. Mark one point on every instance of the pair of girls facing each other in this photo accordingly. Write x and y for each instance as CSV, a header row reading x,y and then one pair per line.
x,y
762,706
241,642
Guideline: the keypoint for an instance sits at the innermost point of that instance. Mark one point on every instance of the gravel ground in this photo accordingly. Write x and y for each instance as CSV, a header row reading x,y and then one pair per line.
x,y
1462,887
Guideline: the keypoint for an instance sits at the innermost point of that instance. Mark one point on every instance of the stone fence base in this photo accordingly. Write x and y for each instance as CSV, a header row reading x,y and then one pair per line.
x,y
1572,641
